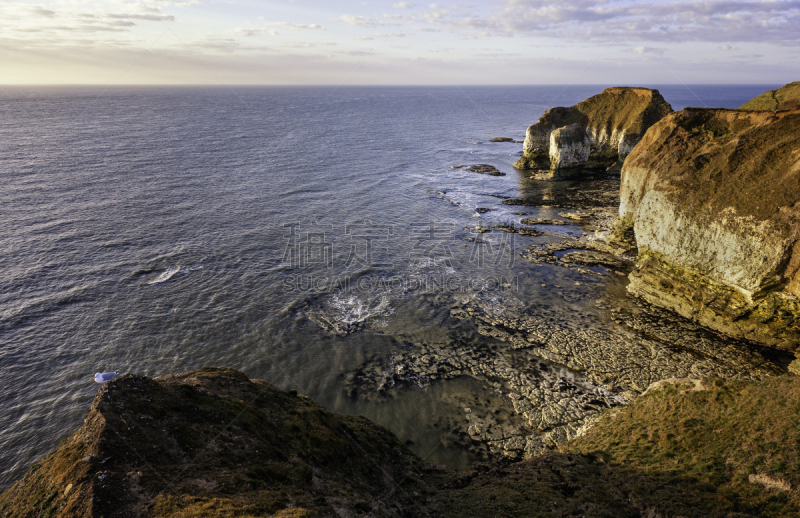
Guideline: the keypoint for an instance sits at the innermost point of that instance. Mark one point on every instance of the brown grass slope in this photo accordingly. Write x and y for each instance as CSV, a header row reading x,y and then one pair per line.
x,y
212,443
785,98
748,161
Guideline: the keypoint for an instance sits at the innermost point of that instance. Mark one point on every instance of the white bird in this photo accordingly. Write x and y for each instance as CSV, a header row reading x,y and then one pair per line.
x,y
104,377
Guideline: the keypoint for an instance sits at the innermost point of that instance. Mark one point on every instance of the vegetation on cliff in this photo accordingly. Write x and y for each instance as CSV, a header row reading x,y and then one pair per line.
x,y
613,122
785,98
213,443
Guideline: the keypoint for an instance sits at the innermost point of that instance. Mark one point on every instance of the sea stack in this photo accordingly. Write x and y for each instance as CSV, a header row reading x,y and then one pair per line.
x,y
595,134
711,198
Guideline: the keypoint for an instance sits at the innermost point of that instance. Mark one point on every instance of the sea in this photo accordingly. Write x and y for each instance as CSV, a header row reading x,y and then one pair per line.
x,y
293,233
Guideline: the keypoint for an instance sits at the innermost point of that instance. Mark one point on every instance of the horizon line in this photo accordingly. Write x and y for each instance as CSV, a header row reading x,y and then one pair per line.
x,y
334,85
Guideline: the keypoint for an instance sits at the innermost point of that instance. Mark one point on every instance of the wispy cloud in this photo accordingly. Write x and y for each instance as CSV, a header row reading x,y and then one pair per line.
x,y
649,50
288,25
770,21
40,11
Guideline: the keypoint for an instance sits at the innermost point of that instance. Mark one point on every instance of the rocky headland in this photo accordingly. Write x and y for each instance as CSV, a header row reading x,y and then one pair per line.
x,y
594,134
213,443
710,198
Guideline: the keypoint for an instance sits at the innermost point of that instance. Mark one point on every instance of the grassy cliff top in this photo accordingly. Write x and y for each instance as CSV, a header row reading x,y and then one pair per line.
x,y
784,98
712,438
632,109
212,443
726,159
617,108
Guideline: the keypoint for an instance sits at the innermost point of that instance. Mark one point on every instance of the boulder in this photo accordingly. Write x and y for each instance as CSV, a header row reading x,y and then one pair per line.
x,y
594,134
712,198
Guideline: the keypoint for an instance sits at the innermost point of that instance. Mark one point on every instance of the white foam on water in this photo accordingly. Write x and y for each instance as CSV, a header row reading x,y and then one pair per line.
x,y
353,310
167,275
344,314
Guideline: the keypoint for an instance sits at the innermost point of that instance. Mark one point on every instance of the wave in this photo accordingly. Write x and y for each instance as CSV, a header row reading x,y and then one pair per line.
x,y
167,275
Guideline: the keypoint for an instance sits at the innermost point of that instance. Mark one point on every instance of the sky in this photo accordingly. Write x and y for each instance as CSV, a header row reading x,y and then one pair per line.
x,y
231,42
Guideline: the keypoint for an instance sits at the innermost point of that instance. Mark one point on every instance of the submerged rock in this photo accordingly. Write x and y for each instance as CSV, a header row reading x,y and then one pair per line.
x,y
485,169
712,197
543,221
511,229
594,134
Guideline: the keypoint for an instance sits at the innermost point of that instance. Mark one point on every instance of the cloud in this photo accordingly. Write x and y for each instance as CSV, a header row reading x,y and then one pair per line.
x,y
353,21
362,21
40,11
767,21
649,50
247,32
143,17
307,45
299,26
403,5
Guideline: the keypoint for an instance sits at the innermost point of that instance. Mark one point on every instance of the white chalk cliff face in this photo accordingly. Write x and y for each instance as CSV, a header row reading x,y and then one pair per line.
x,y
569,146
713,199
594,134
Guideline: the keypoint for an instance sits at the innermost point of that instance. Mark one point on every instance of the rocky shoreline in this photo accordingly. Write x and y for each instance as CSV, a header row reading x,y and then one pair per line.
x,y
603,365
685,381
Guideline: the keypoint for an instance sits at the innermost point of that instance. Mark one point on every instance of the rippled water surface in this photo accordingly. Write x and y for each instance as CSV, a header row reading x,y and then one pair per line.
x,y
292,233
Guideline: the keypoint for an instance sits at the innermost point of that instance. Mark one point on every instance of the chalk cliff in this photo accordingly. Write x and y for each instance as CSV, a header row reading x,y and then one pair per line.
x,y
712,197
594,134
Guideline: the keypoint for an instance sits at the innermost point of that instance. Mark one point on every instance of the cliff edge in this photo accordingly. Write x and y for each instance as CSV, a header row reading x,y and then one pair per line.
x,y
213,443
594,134
712,198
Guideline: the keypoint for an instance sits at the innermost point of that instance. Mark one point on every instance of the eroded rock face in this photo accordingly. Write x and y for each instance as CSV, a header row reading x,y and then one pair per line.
x,y
569,146
713,198
594,134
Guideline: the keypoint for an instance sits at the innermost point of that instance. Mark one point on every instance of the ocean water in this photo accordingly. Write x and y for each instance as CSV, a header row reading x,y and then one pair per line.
x,y
292,233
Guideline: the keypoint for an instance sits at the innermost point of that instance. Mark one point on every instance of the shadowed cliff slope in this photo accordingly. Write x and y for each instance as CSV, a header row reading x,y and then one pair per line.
x,y
213,443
